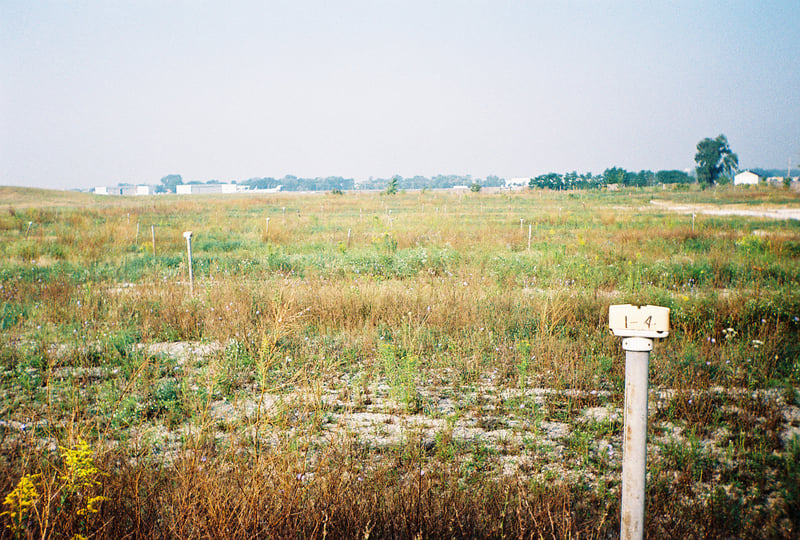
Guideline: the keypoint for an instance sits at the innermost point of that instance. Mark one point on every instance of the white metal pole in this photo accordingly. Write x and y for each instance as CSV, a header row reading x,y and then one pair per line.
x,y
188,236
634,456
530,229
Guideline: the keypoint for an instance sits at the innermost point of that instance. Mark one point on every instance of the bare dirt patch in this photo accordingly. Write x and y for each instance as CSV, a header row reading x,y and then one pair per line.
x,y
771,212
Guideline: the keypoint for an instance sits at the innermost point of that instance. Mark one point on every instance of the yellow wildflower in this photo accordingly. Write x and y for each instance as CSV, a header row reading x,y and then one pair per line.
x,y
80,470
20,500
90,505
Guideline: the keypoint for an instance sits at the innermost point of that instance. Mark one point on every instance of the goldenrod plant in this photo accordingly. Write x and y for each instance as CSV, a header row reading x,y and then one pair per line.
x,y
50,503
20,503
81,477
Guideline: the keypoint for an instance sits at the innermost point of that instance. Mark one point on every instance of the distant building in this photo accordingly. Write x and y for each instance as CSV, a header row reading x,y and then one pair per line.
x,y
275,189
199,189
124,190
746,178
517,183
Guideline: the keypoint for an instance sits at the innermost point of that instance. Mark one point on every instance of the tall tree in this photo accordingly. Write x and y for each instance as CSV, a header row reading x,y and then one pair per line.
x,y
169,182
714,157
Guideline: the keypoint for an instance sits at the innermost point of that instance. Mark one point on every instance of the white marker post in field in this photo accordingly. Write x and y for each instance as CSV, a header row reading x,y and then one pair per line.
x,y
530,230
188,236
639,326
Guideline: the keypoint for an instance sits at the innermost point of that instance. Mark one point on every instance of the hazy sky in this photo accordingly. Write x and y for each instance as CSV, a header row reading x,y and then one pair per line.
x,y
100,92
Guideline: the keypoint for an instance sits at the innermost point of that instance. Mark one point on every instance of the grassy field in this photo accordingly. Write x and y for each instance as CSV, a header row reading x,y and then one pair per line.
x,y
424,365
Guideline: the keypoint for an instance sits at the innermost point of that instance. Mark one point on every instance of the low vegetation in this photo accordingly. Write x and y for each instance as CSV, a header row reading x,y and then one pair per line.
x,y
422,365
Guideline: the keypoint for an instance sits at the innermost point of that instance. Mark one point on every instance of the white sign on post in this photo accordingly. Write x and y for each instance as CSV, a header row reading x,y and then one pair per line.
x,y
627,320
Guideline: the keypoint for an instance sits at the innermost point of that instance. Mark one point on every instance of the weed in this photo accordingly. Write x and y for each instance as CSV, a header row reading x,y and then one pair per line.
x,y
20,503
402,371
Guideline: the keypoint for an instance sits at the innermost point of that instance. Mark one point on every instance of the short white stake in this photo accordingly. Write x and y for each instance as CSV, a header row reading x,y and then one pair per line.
x,y
153,235
188,236
530,230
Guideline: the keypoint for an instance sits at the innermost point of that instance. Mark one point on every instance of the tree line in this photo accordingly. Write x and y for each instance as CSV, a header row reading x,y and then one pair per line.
x,y
613,175
716,163
290,182
554,181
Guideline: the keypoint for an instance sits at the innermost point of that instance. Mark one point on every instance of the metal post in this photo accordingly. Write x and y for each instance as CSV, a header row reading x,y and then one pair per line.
x,y
530,229
639,326
188,236
634,452
153,236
